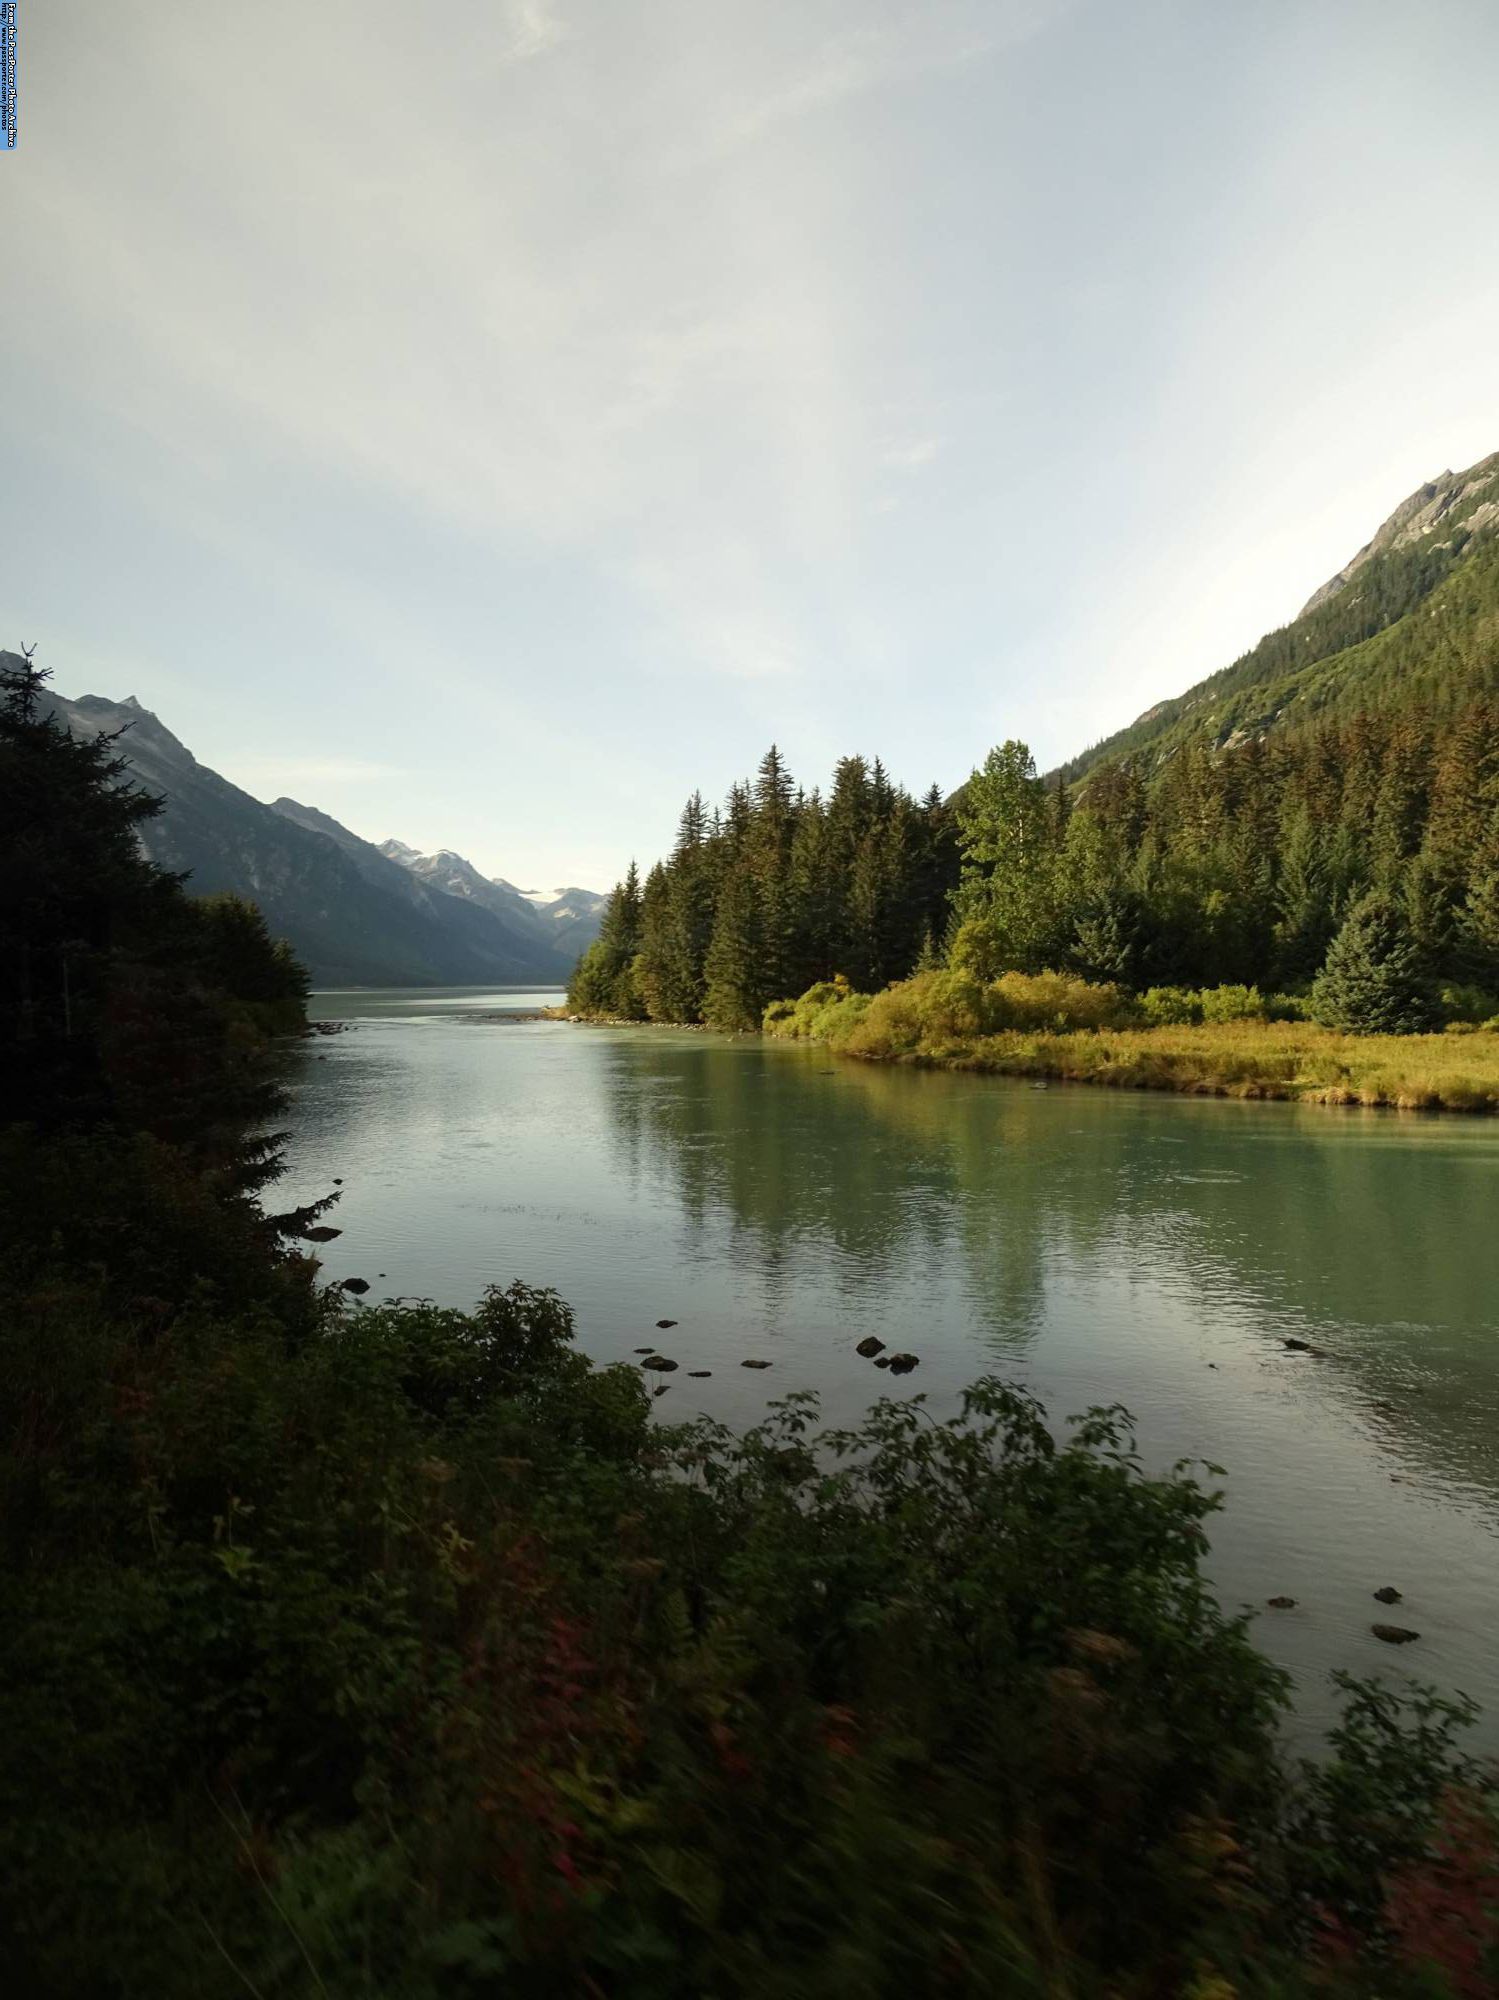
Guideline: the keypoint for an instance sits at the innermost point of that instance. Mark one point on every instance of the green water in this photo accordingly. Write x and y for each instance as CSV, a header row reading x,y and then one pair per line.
x,y
1097,1246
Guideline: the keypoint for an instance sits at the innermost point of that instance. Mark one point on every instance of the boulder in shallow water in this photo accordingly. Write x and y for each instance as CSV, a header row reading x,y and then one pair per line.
x,y
870,1347
1388,1594
662,1324
882,1361
1394,1635
902,1364
699,1374
1281,1603
355,1285
320,1233
755,1364
660,1363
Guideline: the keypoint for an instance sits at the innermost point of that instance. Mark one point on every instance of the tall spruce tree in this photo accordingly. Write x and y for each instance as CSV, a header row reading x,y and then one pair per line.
x,y
737,991
1374,982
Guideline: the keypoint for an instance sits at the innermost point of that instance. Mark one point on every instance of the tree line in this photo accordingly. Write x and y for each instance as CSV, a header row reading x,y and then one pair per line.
x,y
1233,865
777,888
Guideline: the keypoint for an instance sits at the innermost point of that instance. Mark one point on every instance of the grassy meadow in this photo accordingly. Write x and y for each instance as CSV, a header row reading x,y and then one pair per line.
x,y
1050,1025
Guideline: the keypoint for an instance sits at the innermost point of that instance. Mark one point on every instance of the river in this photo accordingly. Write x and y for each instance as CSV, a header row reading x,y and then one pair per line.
x,y
1096,1246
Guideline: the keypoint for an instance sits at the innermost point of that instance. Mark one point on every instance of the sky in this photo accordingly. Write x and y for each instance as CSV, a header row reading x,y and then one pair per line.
x,y
490,421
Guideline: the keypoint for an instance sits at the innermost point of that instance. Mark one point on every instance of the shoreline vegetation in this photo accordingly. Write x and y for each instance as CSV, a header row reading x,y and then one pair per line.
x,y
1039,1027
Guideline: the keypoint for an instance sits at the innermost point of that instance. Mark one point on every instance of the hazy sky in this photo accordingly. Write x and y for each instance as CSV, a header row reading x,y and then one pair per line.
x,y
488,420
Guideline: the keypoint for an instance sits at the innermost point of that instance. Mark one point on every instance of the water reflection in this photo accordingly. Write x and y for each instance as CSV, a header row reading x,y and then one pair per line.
x,y
1366,1235
1152,1250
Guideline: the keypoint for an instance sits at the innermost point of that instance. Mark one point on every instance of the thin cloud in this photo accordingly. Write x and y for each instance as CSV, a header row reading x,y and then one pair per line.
x,y
534,27
909,457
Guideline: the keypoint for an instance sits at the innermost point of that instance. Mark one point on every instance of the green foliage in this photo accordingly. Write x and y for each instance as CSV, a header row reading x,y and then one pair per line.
x,y
1372,982
1170,1006
780,888
606,982
415,1658
127,1010
238,956
1233,1003
935,1010
1006,902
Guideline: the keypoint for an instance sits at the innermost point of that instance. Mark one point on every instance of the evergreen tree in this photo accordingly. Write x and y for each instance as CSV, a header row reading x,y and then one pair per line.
x,y
737,993
1373,982
1005,899
127,1010
1477,931
605,981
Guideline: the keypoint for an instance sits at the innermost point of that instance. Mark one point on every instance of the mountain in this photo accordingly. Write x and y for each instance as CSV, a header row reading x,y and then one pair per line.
x,y
1411,622
353,915
566,922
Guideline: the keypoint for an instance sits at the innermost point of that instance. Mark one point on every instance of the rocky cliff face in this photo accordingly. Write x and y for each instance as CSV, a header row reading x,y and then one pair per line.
x,y
1467,500
353,915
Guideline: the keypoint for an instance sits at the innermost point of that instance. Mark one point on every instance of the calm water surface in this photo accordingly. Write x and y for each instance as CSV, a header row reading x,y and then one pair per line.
x,y
1095,1246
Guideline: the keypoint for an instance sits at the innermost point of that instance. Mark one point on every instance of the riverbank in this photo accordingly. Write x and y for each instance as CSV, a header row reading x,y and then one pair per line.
x,y
1295,1061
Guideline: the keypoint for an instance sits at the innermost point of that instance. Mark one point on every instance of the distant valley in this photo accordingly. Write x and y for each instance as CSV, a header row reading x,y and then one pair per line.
x,y
355,913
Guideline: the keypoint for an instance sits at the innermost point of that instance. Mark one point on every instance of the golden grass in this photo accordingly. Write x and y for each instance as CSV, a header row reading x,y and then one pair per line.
x,y
1266,1059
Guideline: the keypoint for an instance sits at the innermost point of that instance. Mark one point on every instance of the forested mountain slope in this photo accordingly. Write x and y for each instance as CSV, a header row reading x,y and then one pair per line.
x,y
1411,623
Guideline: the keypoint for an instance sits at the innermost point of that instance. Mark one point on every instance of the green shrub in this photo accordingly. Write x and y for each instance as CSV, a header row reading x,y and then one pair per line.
x,y
1470,1004
1058,1001
1233,1003
417,1660
1170,1007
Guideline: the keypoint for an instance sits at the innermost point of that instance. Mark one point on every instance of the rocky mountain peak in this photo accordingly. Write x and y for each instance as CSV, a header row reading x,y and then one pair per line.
x,y
1469,500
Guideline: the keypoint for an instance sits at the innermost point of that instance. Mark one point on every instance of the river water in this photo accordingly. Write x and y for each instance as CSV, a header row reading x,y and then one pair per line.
x,y
1096,1246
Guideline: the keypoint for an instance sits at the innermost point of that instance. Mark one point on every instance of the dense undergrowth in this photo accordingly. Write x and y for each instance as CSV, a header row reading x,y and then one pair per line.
x,y
1226,1041
408,1656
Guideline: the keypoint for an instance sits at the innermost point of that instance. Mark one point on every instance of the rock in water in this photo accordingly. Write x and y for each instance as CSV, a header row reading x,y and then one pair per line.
x,y
321,1234
662,1324
355,1285
1281,1603
902,1364
755,1364
882,1361
660,1363
870,1347
1388,1595
1394,1635
699,1374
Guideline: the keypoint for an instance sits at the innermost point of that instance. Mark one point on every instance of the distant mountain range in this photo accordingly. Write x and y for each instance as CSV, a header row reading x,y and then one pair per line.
x,y
356,914
1411,622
